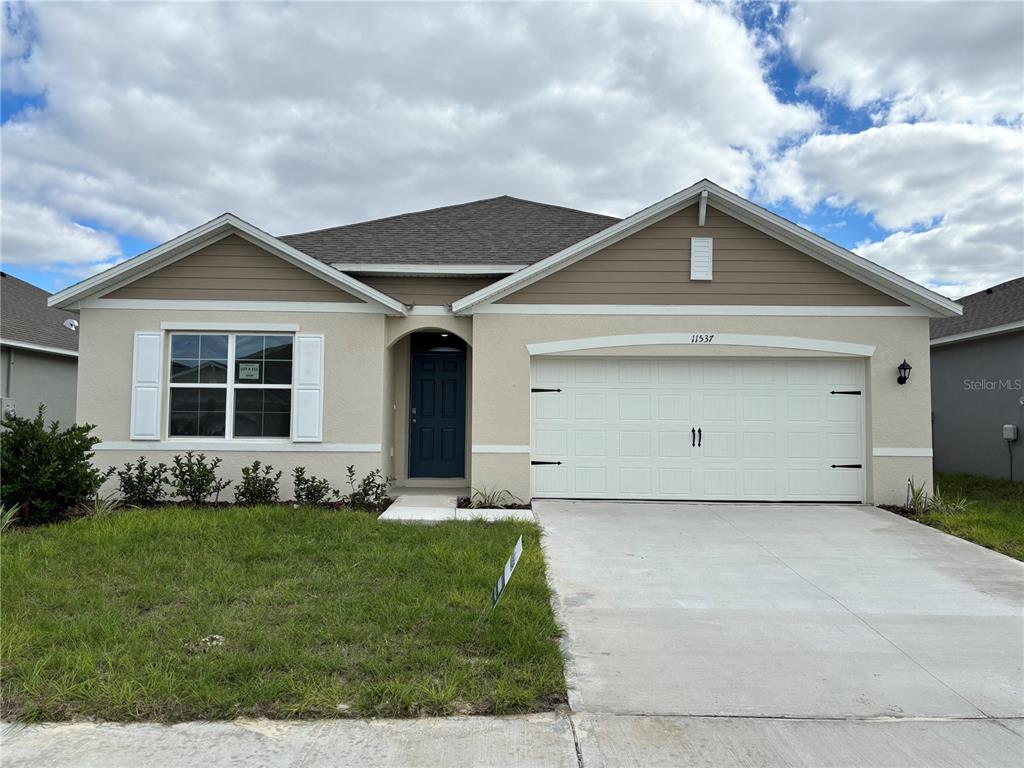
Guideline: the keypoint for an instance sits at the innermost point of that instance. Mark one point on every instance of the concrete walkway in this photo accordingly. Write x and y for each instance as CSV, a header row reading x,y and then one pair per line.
x,y
536,741
426,505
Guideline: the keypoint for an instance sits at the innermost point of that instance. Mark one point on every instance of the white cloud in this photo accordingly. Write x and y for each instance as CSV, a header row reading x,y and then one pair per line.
x,y
40,236
303,116
952,193
959,61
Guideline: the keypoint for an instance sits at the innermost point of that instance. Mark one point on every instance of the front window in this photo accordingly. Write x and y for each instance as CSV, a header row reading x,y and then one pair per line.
x,y
230,385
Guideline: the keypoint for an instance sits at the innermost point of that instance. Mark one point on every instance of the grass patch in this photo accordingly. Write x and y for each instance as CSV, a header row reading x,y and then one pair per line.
x,y
995,518
322,614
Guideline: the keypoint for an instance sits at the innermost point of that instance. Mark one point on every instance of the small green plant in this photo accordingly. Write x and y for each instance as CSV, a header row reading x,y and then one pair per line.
x,y
917,497
195,479
47,471
7,516
369,494
258,485
104,506
492,498
142,484
312,490
942,504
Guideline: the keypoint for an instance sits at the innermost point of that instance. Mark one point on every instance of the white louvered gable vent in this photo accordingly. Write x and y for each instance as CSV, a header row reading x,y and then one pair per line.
x,y
700,258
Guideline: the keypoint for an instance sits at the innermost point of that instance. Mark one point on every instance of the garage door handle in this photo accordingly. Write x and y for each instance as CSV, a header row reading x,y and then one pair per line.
x,y
847,466
699,437
693,438
545,463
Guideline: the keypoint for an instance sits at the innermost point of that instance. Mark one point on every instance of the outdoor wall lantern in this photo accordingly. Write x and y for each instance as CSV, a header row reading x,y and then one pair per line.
x,y
904,372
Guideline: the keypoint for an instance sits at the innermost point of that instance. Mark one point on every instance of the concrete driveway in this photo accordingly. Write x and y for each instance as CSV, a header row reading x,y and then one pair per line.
x,y
794,611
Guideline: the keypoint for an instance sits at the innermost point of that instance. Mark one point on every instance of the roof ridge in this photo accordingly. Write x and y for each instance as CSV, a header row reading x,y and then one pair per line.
x,y
448,207
560,207
997,287
395,216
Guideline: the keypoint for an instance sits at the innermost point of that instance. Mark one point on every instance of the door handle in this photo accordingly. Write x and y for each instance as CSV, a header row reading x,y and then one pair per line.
x,y
699,438
693,438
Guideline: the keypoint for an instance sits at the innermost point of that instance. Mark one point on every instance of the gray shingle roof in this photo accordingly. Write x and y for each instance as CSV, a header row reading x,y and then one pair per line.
x,y
998,305
500,231
25,317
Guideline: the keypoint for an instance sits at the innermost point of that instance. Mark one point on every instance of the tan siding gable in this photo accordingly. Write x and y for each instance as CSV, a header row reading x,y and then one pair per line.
x,y
653,267
232,269
427,290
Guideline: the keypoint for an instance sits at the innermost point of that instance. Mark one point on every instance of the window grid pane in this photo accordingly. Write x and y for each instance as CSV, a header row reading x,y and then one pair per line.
x,y
262,389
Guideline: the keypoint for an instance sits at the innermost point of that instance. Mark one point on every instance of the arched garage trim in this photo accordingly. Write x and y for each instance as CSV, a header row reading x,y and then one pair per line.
x,y
700,339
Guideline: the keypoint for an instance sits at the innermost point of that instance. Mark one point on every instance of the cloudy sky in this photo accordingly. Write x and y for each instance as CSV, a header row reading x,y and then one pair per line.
x,y
893,129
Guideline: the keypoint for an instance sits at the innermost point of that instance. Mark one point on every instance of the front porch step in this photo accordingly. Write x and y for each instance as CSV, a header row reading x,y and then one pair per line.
x,y
423,506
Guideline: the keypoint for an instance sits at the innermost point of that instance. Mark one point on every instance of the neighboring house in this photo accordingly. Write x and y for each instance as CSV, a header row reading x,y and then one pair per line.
x,y
38,353
978,384
702,348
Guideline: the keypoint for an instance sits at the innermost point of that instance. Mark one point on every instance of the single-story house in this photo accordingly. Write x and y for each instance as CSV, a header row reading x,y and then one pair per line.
x,y
978,384
38,353
702,348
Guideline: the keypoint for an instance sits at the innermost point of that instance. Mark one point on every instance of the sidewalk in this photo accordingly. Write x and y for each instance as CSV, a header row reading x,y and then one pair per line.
x,y
553,740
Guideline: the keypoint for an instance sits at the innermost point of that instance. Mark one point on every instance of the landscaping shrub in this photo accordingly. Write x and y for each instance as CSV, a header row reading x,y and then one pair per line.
x,y
46,472
369,494
312,490
195,479
258,485
142,484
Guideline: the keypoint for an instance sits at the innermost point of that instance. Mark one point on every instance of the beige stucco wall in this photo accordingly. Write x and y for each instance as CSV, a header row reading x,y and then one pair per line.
x,y
355,385
897,416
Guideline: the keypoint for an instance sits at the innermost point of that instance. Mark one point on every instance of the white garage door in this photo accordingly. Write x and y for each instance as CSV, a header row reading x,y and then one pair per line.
x,y
669,428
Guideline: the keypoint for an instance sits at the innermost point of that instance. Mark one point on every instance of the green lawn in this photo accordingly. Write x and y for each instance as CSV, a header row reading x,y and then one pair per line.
x,y
323,614
995,518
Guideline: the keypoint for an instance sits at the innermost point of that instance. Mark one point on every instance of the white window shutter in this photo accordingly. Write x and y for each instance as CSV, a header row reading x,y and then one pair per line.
x,y
147,367
308,407
700,258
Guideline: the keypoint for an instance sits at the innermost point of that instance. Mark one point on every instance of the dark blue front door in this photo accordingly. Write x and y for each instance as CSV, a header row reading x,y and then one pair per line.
x,y
437,418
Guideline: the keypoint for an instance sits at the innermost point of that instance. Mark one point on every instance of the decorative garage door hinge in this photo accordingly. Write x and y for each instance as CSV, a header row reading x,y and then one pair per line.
x,y
541,389
847,466
545,463
845,392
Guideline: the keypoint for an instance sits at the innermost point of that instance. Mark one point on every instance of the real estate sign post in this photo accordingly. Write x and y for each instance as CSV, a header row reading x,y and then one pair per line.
x,y
506,574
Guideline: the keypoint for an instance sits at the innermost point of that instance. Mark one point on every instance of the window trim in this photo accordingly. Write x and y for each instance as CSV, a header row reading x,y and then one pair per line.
x,y
229,385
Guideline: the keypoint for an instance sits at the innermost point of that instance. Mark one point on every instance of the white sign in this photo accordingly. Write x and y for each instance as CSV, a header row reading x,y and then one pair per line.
x,y
249,371
506,574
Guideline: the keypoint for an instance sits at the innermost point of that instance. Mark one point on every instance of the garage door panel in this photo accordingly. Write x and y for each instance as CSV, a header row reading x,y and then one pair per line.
x,y
634,406
770,429
675,407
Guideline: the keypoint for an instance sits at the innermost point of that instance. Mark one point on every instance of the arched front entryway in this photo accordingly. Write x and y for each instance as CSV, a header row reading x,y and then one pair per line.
x,y
430,393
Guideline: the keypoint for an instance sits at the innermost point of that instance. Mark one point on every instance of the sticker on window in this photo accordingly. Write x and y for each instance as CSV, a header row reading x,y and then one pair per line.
x,y
249,371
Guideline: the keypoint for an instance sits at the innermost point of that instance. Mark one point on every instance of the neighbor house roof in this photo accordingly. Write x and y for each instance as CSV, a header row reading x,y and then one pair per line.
x,y
998,309
26,321
501,231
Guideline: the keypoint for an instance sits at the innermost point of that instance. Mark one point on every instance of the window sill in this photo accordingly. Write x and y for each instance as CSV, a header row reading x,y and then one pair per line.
x,y
181,445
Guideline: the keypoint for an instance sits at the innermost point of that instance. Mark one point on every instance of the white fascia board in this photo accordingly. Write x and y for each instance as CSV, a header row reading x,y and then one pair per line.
x,y
446,270
762,219
237,327
210,232
215,305
698,310
993,330
580,250
38,348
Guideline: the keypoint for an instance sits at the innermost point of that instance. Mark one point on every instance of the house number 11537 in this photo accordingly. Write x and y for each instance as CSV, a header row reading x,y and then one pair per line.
x,y
702,338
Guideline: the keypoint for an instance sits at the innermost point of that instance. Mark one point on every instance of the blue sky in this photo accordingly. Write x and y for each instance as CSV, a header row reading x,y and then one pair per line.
x,y
807,109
